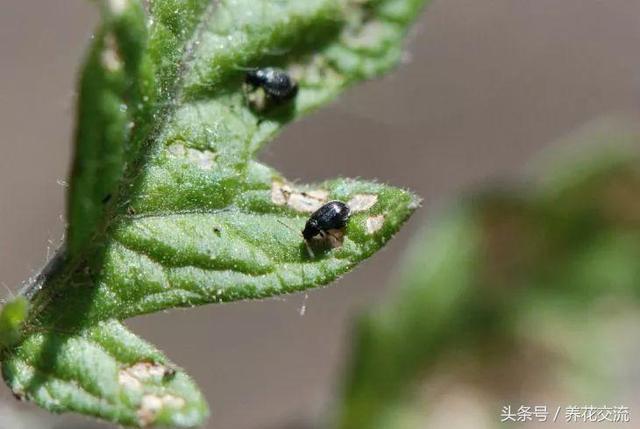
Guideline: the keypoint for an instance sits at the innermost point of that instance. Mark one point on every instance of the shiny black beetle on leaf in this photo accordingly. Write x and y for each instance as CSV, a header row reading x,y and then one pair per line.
x,y
332,215
278,86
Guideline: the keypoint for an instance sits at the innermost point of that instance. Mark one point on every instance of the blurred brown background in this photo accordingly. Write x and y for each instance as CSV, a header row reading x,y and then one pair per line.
x,y
486,85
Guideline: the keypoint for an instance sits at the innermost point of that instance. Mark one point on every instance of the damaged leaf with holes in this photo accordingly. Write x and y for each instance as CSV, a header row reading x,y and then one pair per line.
x,y
168,206
104,370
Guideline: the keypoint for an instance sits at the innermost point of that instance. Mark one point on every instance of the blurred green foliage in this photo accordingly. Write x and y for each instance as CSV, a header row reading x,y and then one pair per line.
x,y
513,286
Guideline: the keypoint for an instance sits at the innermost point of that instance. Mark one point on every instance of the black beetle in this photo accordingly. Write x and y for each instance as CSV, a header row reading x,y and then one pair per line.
x,y
332,215
276,83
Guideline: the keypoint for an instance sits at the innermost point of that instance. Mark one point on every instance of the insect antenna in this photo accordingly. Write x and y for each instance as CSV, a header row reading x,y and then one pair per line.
x,y
290,227
244,68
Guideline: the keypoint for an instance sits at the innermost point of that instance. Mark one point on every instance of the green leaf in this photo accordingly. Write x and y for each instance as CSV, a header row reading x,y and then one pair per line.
x,y
111,98
106,371
167,205
251,248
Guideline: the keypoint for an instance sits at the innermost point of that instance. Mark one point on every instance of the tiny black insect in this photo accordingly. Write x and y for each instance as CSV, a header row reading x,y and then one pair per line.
x,y
332,215
276,83
169,374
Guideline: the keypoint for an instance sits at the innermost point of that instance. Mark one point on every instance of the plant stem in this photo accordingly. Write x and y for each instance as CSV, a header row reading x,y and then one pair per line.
x,y
35,283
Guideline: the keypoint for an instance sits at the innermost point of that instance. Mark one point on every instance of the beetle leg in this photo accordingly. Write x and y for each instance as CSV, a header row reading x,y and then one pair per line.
x,y
311,254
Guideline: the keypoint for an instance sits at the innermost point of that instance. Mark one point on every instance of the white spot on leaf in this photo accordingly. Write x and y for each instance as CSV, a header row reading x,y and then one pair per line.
x,y
280,192
362,202
110,58
203,159
315,72
128,381
151,405
177,150
302,201
375,223
145,370
318,194
133,376
117,6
